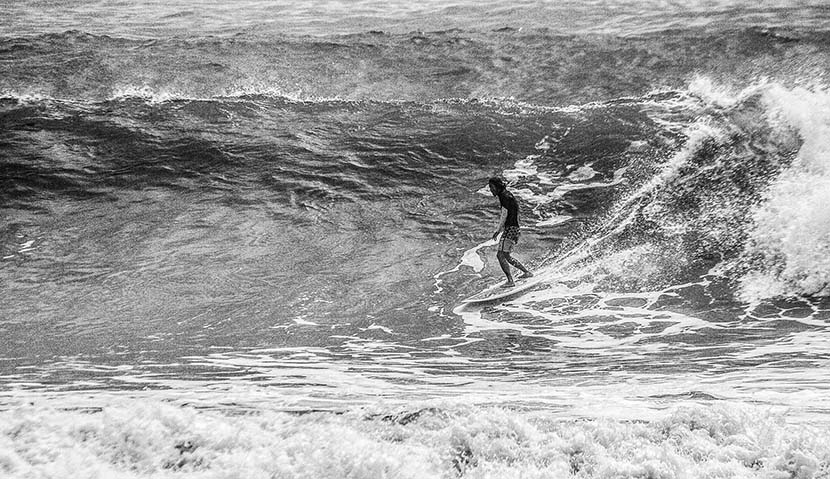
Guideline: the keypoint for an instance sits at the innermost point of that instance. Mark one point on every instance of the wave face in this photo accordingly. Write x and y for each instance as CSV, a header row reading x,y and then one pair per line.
x,y
231,239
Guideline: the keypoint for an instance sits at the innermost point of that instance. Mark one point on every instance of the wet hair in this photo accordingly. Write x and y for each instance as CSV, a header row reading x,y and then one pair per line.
x,y
498,183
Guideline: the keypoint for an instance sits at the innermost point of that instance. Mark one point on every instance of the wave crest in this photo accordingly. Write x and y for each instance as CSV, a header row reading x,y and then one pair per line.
x,y
789,241
745,197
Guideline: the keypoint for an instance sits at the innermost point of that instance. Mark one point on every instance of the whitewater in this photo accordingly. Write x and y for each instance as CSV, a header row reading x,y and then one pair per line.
x,y
235,239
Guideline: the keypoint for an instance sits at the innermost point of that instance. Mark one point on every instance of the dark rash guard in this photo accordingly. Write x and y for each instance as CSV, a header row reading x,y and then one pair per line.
x,y
509,203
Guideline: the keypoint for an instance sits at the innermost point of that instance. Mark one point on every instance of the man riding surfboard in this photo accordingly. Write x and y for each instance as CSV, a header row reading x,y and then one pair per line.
x,y
509,230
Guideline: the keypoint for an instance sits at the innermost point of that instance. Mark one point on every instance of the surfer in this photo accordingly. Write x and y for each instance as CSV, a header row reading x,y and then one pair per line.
x,y
509,230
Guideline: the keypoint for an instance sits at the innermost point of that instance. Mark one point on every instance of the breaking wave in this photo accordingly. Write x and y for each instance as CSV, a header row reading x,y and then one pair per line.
x,y
152,439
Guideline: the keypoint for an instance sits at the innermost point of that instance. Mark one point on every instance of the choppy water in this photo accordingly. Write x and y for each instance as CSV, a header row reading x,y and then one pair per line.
x,y
234,239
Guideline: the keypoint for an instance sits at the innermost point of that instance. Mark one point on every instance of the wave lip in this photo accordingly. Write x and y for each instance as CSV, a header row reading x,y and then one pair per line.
x,y
790,237
741,194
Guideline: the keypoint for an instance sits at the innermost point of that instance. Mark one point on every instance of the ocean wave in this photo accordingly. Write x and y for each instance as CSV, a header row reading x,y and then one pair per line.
x,y
672,179
740,197
257,93
236,239
534,66
153,439
790,234
682,190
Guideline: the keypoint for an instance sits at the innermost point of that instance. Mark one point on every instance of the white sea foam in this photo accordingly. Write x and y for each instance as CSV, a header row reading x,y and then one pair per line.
x,y
523,167
583,173
791,231
471,259
146,93
716,94
149,438
554,220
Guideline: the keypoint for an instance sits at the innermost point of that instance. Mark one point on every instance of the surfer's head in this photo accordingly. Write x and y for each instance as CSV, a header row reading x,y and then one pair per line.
x,y
496,185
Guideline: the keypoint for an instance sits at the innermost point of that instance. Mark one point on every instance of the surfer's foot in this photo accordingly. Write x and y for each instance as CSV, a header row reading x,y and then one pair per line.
x,y
508,284
527,274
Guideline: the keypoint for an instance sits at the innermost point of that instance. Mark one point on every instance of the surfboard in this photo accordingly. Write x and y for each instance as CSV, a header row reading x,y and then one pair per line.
x,y
497,293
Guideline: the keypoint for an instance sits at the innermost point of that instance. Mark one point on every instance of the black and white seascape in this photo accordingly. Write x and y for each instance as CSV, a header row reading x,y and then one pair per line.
x,y
234,238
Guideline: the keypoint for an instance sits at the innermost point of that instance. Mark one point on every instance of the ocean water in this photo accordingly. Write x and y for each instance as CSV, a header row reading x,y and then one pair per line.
x,y
235,237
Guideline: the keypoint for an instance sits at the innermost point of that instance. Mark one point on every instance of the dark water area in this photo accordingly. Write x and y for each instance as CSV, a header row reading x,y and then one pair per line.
x,y
258,210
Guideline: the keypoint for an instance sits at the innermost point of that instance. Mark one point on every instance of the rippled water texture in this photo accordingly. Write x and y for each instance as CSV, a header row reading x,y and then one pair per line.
x,y
236,238
153,18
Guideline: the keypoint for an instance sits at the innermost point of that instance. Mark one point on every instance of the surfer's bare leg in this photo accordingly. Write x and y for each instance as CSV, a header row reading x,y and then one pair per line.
x,y
505,266
526,272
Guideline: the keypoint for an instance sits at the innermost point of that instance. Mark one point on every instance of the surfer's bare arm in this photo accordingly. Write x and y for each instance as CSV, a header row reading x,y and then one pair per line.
x,y
502,219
